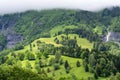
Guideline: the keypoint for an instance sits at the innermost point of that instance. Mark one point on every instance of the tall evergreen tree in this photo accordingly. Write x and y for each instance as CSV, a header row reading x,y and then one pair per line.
x,y
66,65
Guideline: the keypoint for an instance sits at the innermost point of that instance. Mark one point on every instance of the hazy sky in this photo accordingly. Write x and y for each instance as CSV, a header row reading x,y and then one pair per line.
x,y
12,6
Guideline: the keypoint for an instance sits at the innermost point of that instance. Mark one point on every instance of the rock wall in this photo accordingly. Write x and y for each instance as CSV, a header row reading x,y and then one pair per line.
x,y
13,39
7,23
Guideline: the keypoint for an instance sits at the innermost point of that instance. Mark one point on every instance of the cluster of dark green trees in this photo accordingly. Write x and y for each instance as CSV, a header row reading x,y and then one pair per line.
x,y
98,61
84,33
8,72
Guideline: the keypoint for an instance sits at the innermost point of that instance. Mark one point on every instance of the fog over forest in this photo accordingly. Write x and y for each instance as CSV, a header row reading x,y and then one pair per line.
x,y
12,6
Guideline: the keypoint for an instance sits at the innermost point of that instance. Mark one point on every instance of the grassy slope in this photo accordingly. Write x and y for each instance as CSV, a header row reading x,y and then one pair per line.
x,y
84,43
49,41
79,72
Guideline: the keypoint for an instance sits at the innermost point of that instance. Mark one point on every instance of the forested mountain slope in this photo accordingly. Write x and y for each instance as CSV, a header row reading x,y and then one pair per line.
x,y
34,24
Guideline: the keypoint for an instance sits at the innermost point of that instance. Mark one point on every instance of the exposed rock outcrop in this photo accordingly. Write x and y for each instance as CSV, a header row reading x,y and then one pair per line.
x,y
13,39
7,24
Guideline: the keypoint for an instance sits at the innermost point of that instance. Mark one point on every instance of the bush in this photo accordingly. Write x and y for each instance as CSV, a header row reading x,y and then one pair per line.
x,y
48,70
67,69
56,66
78,63
19,47
61,61
30,56
21,56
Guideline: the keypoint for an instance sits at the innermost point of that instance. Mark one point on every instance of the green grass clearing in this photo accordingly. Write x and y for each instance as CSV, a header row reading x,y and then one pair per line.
x,y
61,28
84,43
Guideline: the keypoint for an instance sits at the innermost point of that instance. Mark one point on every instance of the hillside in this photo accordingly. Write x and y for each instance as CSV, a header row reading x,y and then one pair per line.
x,y
56,74
31,25
60,44
40,57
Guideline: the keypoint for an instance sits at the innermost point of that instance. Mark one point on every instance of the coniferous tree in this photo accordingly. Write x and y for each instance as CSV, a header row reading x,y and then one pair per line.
x,y
95,75
78,63
98,69
86,68
66,65
30,47
92,60
57,56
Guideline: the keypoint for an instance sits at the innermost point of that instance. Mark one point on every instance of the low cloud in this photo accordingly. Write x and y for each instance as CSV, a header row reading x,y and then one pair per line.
x,y
12,6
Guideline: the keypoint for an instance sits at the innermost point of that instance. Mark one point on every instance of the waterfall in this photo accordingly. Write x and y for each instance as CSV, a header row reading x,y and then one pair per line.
x,y
108,36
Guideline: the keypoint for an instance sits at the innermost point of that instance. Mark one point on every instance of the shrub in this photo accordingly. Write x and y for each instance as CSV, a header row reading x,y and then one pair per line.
x,y
56,66
78,63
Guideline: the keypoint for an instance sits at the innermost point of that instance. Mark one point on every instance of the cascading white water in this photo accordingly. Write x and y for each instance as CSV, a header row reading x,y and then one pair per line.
x,y
108,36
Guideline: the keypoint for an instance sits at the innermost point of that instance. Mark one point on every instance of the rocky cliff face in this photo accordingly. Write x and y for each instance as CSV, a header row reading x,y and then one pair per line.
x,y
7,23
13,39
115,36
